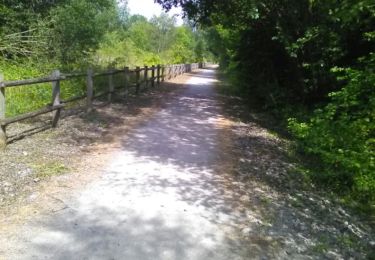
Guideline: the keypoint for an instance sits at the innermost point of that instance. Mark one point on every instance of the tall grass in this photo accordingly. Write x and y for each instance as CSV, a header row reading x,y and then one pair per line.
x,y
24,98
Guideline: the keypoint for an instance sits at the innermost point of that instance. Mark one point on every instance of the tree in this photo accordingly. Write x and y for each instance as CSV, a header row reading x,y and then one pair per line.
x,y
163,32
141,32
78,27
182,49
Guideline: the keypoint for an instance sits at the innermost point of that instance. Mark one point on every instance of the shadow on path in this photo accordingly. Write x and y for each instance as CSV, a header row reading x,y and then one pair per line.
x,y
160,198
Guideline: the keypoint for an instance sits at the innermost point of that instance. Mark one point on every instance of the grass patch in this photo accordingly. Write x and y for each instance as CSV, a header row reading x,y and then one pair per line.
x,y
49,168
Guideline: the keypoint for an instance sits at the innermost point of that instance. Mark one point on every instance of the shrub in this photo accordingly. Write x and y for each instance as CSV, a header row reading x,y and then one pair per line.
x,y
342,135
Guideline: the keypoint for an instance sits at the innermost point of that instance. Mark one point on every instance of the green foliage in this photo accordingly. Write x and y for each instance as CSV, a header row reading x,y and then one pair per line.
x,y
115,49
49,168
78,27
182,50
342,134
152,42
21,99
140,33
163,33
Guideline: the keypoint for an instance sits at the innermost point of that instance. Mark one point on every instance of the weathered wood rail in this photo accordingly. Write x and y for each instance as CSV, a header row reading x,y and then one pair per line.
x,y
134,78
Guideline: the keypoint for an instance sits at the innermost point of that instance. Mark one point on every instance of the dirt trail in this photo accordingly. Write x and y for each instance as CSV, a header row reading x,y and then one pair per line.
x,y
169,192
157,198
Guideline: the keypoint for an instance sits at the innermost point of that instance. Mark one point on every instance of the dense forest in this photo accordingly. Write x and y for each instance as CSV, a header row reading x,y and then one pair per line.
x,y
312,64
38,36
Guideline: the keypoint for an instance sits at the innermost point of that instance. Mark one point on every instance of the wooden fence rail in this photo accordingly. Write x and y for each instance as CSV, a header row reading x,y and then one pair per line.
x,y
159,74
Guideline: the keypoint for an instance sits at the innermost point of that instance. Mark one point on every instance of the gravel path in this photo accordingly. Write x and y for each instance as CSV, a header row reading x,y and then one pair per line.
x,y
158,198
194,182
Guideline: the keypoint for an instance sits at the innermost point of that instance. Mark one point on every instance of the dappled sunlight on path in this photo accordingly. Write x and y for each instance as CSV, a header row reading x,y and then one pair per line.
x,y
159,198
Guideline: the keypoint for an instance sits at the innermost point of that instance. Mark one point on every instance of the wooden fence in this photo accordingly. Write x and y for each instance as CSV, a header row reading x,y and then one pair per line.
x,y
158,73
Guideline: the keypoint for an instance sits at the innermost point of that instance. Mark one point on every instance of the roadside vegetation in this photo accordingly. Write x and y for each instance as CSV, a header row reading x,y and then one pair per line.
x,y
311,64
37,37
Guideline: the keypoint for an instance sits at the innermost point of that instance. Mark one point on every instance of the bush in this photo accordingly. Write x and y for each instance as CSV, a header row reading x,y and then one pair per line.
x,y
342,135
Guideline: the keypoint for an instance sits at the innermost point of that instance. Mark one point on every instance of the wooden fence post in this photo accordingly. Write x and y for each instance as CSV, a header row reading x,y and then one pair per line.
x,y
163,73
137,78
153,76
158,74
127,81
56,97
145,76
90,89
110,85
3,136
